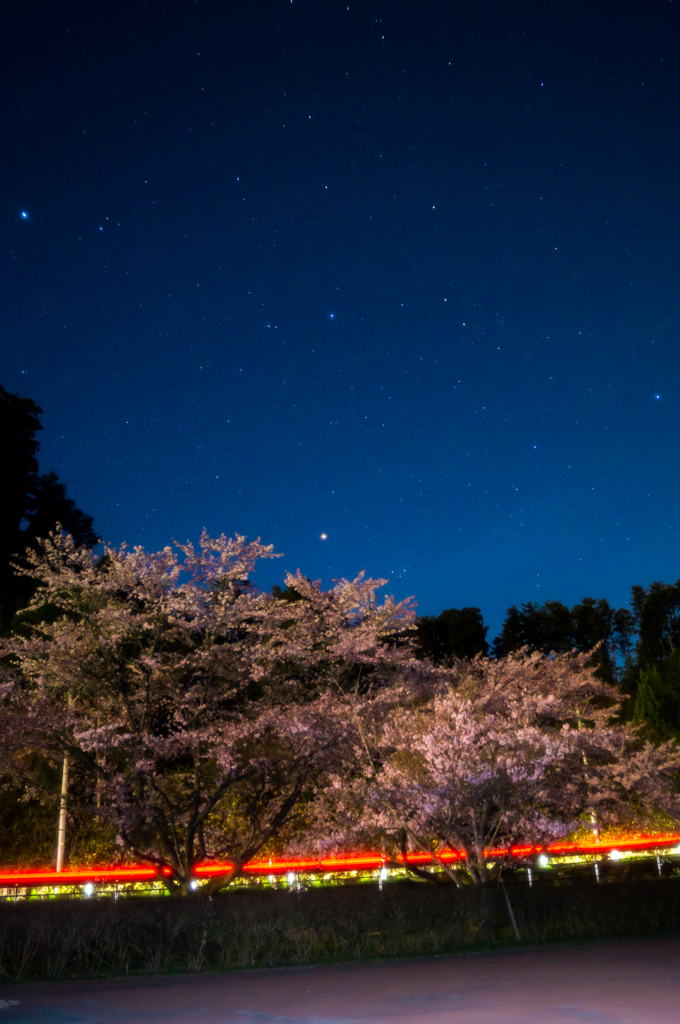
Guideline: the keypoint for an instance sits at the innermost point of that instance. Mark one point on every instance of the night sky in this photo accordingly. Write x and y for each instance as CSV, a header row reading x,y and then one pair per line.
x,y
404,274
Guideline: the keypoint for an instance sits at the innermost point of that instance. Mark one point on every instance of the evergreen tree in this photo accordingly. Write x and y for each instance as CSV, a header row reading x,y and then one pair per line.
x,y
525,628
19,422
555,629
648,711
511,637
594,627
558,626
47,504
624,630
652,678
455,633
32,503
659,617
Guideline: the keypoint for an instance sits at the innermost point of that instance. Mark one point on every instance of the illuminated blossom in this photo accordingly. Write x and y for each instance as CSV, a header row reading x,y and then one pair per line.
x,y
196,711
513,750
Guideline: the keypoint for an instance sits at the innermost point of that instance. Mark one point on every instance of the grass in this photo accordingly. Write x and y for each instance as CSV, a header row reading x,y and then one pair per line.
x,y
61,939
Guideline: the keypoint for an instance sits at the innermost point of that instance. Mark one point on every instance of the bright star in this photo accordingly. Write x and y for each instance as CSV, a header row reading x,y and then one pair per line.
x,y
24,215
324,536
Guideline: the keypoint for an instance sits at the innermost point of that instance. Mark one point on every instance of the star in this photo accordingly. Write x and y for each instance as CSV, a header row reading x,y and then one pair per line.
x,y
323,536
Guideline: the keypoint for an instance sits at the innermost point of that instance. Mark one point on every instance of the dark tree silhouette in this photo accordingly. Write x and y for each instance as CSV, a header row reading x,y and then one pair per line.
x,y
32,503
456,633
555,629
511,636
528,628
48,504
19,422
558,624
653,676
658,610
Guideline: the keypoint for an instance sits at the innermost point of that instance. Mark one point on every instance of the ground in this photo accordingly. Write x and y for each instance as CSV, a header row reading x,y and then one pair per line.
x,y
627,982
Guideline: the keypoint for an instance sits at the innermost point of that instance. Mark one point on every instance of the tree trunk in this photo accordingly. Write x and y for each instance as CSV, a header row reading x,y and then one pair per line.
x,y
487,902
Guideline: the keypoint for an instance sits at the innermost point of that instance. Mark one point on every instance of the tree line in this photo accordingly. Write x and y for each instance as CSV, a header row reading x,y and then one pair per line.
x,y
636,648
32,504
170,710
197,718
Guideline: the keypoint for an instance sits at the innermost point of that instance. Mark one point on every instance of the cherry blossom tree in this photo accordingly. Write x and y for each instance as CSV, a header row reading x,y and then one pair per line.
x,y
517,750
195,711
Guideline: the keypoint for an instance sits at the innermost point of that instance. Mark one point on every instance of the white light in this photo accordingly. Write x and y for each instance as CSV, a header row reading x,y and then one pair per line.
x,y
291,878
543,860
616,855
24,215
193,883
383,874
88,889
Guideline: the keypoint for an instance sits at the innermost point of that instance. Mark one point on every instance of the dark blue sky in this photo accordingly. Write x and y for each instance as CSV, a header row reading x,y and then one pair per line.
x,y
405,274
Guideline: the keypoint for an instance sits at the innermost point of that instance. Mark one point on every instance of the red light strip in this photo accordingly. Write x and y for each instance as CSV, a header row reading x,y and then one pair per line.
x,y
318,865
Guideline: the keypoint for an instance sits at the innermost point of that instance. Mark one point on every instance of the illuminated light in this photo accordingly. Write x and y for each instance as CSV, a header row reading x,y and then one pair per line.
x,y
356,861
616,855
291,878
137,873
193,884
88,889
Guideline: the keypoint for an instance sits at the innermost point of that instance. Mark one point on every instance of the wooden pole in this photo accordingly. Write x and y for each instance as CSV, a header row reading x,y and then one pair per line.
x,y
61,831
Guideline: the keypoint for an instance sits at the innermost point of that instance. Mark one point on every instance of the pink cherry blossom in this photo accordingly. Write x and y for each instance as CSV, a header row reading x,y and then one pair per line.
x,y
522,749
196,712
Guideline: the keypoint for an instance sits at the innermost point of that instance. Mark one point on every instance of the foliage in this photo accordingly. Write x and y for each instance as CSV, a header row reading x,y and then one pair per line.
x,y
658,613
504,751
29,829
32,503
652,678
55,940
647,712
206,720
456,633
627,646
197,712
554,628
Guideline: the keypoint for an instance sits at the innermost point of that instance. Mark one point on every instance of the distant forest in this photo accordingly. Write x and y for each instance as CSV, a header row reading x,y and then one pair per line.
x,y
637,649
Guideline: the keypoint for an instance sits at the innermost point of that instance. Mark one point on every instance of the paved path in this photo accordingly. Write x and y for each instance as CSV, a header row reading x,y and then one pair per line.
x,y
628,982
